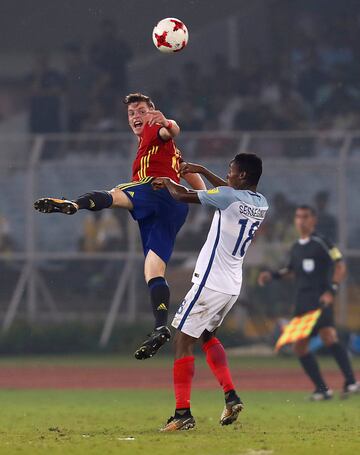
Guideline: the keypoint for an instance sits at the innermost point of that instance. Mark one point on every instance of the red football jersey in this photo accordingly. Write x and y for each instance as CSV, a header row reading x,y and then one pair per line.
x,y
155,157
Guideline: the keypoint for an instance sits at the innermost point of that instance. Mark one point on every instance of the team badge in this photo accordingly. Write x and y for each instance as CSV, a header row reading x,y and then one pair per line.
x,y
308,265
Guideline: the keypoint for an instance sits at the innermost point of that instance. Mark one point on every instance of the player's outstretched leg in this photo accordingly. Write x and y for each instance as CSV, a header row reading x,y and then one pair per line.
x,y
217,360
94,201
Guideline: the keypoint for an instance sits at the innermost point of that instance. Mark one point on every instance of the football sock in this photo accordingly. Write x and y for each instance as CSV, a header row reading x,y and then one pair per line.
x,y
342,359
160,296
183,373
311,368
95,200
182,413
217,361
230,396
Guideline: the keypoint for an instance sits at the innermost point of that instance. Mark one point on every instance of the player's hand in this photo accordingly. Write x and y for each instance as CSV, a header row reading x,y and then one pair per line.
x,y
159,183
157,117
264,278
327,298
190,168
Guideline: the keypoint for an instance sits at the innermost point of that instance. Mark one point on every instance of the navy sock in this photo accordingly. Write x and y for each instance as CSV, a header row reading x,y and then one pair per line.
x,y
231,396
95,200
311,368
184,412
160,296
342,359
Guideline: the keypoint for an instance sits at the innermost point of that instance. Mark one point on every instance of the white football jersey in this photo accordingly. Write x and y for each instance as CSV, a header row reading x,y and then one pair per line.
x,y
239,215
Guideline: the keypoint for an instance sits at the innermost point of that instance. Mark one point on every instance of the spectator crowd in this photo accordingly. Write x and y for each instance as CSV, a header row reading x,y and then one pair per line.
x,y
312,82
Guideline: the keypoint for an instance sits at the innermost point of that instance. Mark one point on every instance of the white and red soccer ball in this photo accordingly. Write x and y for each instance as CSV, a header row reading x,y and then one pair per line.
x,y
170,35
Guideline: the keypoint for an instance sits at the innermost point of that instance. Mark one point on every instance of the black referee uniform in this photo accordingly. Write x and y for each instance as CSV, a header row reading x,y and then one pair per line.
x,y
312,262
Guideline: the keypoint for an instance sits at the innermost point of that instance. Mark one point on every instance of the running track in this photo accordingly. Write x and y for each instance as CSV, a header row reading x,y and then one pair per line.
x,y
66,377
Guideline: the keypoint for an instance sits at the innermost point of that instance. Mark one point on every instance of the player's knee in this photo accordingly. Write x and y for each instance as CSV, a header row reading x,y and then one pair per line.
x,y
95,200
207,336
120,199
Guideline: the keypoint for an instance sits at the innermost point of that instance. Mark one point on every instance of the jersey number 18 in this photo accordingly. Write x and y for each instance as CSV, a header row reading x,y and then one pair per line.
x,y
243,245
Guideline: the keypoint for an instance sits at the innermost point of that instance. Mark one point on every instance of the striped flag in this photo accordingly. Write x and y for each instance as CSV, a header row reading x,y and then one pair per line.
x,y
298,328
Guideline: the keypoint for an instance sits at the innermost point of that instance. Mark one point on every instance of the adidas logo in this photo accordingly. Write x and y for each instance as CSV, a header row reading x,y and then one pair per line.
x,y
131,193
162,306
92,203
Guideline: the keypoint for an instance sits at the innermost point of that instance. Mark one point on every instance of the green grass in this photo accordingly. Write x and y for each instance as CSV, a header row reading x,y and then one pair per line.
x,y
94,422
113,360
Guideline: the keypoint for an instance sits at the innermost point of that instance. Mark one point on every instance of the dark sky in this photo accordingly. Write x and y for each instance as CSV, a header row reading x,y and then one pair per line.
x,y
28,25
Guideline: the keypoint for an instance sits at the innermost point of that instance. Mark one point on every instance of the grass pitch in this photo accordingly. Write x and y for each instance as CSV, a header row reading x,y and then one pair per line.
x,y
127,422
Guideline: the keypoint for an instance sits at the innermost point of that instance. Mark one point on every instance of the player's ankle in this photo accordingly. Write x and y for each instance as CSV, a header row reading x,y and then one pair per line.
x,y
182,412
231,395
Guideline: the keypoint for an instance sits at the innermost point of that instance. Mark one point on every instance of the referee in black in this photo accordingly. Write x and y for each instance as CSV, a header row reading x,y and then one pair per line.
x,y
318,268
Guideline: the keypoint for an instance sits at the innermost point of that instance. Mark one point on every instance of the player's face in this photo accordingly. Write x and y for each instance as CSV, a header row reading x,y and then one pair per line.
x,y
138,116
305,221
233,177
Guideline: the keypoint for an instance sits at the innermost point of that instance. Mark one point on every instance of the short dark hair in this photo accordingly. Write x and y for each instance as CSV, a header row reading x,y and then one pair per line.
x,y
251,164
138,98
306,207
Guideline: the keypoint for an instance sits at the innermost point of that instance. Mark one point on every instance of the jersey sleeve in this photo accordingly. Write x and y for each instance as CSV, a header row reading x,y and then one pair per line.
x,y
220,197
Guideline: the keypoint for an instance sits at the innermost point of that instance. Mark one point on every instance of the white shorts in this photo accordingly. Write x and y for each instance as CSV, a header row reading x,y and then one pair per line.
x,y
202,309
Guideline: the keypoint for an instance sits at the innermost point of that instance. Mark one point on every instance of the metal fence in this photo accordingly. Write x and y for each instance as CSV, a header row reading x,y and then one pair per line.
x,y
88,267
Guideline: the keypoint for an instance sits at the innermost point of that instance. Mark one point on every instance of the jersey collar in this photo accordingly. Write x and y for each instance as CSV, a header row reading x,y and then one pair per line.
x,y
304,241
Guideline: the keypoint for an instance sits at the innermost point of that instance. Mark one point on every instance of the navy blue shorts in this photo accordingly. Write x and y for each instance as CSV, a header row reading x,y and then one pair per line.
x,y
159,216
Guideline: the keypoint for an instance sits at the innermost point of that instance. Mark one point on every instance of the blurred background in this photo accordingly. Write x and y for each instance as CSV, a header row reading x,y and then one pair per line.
x,y
276,77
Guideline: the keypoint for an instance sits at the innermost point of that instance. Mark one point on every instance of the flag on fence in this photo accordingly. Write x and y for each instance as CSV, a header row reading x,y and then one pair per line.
x,y
298,328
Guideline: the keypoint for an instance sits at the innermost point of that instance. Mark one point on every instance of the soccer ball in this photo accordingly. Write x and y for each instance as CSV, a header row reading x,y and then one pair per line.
x,y
170,35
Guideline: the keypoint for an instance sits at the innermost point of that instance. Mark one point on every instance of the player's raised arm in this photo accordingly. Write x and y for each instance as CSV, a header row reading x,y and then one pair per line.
x,y
178,192
170,128
195,181
191,168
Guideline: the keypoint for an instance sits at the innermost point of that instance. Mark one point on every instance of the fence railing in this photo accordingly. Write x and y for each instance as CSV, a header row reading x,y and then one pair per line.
x,y
48,269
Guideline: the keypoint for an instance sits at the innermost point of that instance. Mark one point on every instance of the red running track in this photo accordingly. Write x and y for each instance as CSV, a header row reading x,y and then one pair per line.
x,y
65,377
